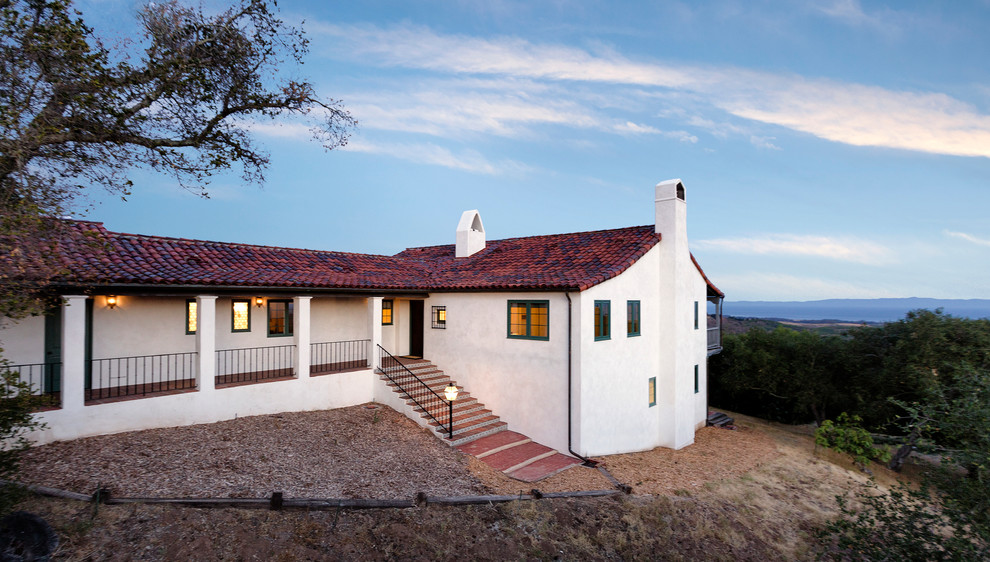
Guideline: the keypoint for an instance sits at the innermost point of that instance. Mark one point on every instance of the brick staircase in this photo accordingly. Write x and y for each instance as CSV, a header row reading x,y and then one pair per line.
x,y
471,419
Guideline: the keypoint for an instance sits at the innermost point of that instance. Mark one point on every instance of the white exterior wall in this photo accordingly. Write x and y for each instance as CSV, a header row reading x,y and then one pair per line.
x,y
142,326
23,341
522,381
616,415
338,319
317,393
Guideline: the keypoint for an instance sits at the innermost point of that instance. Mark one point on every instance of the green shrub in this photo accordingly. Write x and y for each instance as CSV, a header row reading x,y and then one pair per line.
x,y
846,435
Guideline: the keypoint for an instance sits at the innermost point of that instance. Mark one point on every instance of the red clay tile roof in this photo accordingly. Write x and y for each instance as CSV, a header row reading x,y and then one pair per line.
x,y
104,257
91,254
554,262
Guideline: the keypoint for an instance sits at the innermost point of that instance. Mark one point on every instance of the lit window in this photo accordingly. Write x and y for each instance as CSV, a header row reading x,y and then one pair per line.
x,y
191,316
279,317
387,312
632,318
241,316
529,320
653,391
602,320
440,317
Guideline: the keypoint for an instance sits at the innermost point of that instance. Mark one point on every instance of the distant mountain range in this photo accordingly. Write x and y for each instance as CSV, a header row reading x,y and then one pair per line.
x,y
854,310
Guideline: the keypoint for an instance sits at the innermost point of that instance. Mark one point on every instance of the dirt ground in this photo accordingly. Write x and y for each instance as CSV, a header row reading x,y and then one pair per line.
x,y
758,493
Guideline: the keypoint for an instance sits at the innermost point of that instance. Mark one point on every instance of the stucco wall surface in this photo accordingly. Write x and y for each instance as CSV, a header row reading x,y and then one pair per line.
x,y
522,381
23,341
315,393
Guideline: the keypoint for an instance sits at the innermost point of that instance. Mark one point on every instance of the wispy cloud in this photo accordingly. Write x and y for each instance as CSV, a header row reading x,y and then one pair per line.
x,y
779,286
968,237
844,249
427,153
848,113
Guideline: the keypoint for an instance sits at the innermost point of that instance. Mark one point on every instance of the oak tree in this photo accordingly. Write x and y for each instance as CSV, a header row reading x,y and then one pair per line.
x,y
76,113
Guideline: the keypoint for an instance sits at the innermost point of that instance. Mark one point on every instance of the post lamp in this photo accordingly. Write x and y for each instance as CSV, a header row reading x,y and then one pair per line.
x,y
450,393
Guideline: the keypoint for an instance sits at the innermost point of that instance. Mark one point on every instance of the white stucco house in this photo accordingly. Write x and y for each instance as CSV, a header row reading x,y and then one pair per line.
x,y
590,342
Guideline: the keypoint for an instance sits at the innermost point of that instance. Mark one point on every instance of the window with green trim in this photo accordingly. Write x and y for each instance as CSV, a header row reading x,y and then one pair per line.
x,y
528,320
280,318
632,318
603,320
387,312
192,318
696,379
653,391
695,315
240,315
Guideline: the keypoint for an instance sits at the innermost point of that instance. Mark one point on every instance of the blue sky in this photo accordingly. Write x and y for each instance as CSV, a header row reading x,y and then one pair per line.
x,y
830,149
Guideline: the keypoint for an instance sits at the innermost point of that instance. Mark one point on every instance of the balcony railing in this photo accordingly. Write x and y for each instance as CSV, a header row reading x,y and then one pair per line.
x,y
714,338
254,364
336,356
141,375
45,380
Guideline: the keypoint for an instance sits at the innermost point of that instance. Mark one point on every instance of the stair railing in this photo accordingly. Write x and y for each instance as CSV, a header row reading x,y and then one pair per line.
x,y
436,406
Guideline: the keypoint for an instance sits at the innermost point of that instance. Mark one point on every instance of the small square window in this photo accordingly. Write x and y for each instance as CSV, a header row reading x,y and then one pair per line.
x,y
696,379
653,391
632,318
387,312
240,320
602,320
192,319
440,317
280,318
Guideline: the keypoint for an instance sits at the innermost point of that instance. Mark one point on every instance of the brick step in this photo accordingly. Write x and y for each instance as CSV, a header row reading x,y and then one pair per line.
x,y
433,382
514,458
413,368
466,417
475,423
477,433
466,404
423,395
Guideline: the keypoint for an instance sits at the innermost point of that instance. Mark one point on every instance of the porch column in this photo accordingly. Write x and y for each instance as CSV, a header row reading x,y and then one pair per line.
x,y
206,342
73,352
301,331
374,329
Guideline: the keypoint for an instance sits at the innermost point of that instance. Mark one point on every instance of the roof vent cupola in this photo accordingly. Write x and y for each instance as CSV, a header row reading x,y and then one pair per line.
x,y
470,234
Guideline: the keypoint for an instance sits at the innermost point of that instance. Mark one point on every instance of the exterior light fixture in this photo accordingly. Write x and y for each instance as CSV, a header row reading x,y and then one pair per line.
x,y
450,393
112,301
258,301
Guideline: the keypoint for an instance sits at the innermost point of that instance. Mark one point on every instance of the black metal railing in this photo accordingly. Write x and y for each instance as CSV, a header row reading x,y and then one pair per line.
x,y
336,356
254,364
45,380
436,406
141,375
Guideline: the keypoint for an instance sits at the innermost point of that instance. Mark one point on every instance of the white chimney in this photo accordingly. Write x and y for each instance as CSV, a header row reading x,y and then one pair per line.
x,y
470,234
671,212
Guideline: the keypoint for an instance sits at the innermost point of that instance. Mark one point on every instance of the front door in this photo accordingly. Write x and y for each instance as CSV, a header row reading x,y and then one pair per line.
x,y
416,328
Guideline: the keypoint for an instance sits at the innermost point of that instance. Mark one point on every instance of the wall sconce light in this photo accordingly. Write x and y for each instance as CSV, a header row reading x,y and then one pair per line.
x,y
258,301
112,301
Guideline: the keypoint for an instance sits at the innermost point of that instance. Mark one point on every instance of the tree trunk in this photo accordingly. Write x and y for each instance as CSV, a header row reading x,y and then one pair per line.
x,y
897,461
